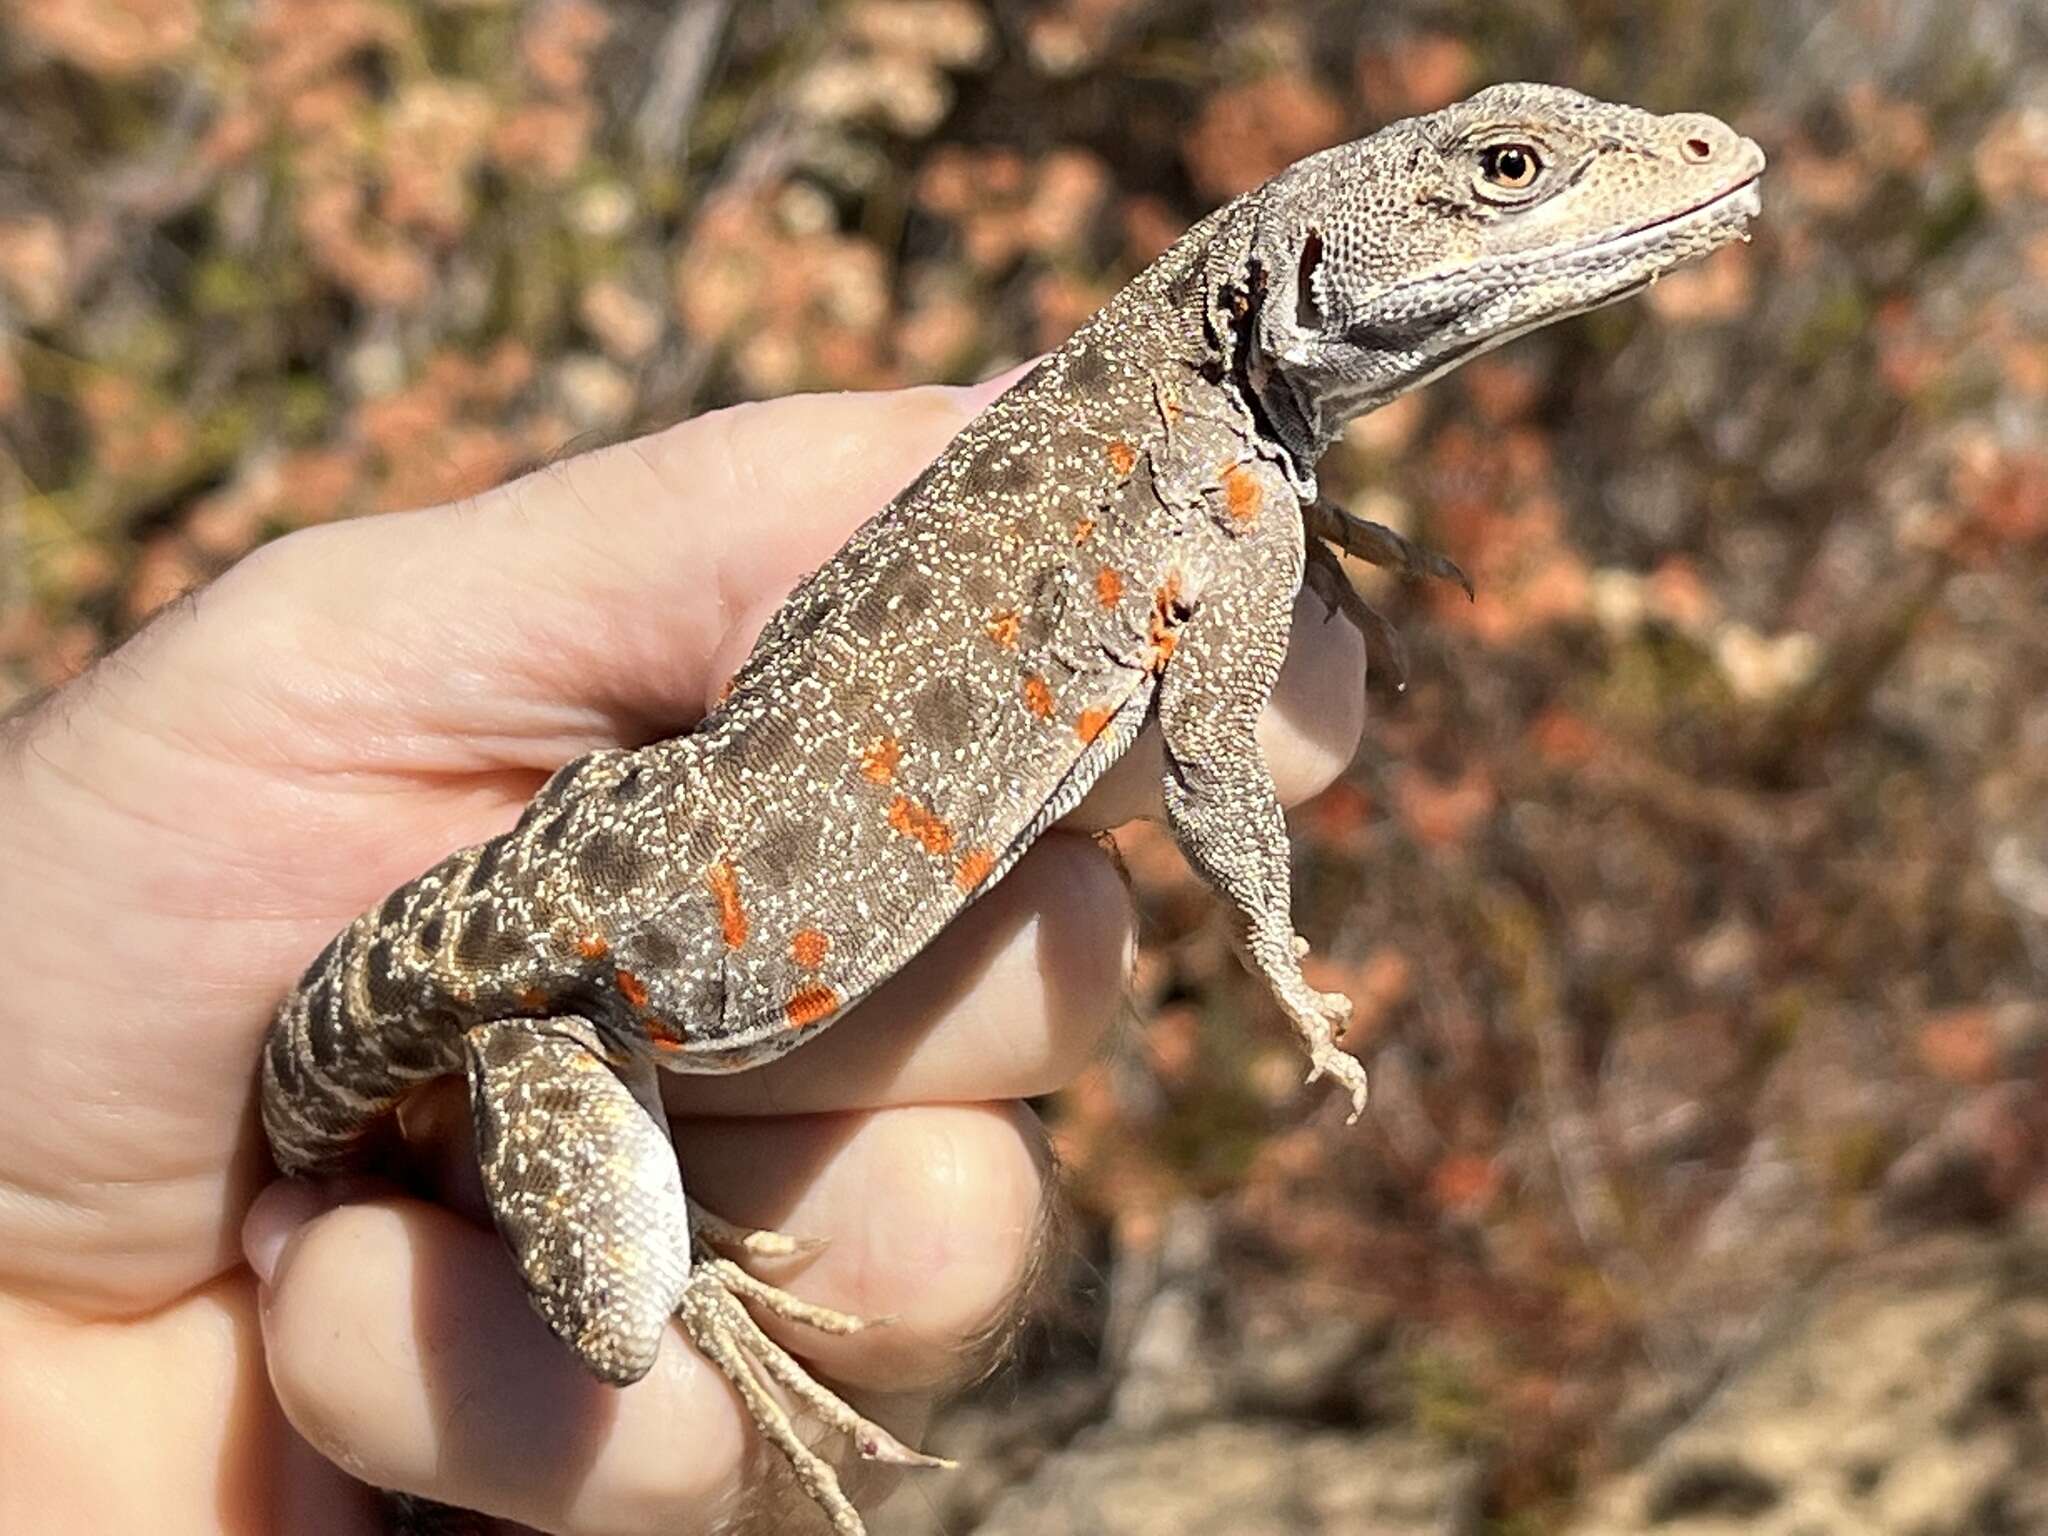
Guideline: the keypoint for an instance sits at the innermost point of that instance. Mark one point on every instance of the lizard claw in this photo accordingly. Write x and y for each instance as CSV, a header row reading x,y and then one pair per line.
x,y
754,1242
1325,577
1377,544
876,1444
1346,1070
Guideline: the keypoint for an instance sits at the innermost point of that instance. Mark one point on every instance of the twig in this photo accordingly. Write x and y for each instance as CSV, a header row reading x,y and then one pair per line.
x,y
682,65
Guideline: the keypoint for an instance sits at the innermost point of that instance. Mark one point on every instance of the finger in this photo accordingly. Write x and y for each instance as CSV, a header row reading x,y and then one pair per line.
x,y
932,1218
587,603
402,1345
1011,1000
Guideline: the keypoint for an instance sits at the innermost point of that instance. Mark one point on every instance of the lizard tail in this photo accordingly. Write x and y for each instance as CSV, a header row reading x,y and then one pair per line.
x,y
335,1062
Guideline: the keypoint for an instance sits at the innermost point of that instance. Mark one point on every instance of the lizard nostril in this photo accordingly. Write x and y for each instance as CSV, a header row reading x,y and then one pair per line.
x,y
1698,151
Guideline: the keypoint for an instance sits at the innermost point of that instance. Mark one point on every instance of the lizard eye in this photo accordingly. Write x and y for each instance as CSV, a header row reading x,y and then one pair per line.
x,y
1511,165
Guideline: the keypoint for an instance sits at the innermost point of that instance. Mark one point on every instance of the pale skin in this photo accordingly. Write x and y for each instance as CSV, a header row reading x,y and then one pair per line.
x,y
183,828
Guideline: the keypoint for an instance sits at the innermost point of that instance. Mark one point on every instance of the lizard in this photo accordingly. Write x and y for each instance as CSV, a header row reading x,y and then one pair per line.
x,y
1115,543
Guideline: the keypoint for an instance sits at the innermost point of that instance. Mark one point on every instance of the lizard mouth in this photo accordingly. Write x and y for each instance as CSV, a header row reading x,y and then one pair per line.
x,y
1637,255
1730,210
1621,266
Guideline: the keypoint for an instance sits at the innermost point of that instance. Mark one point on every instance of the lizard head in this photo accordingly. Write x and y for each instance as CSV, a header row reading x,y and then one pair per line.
x,y
1383,263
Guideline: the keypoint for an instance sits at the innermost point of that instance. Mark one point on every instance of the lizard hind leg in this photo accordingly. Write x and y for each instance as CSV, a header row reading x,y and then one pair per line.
x,y
584,1186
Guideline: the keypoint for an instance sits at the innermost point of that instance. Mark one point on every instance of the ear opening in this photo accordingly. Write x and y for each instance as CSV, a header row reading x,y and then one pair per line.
x,y
1308,310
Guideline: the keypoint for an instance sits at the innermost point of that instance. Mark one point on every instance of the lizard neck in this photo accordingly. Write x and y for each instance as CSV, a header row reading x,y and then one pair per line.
x,y
1217,261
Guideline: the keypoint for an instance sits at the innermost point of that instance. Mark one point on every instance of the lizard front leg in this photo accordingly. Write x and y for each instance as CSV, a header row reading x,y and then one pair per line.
x,y
1383,648
1377,544
1220,800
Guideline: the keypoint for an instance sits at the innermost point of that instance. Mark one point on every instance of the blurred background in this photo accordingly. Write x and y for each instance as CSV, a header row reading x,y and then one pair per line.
x,y
1695,894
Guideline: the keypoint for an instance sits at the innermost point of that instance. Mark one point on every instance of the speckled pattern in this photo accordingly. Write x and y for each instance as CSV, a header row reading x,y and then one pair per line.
x,y
1119,538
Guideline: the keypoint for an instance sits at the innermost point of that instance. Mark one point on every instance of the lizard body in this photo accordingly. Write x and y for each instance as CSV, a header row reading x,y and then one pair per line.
x,y
1116,541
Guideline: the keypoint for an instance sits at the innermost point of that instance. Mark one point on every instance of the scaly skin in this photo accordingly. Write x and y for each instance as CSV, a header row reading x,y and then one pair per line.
x,y
1117,541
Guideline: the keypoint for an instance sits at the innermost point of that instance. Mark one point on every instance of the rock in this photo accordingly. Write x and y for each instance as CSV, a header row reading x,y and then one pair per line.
x,y
1246,1479
1894,1407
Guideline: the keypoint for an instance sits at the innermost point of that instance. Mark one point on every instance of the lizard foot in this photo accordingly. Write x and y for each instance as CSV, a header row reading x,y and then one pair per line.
x,y
715,1319
1319,1019
1324,576
754,1242
1377,544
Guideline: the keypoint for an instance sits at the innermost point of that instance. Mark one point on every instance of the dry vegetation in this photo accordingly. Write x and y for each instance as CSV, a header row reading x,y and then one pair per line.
x,y
1695,894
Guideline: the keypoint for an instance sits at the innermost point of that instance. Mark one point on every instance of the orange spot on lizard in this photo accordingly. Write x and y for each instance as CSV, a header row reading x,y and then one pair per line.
x,y
1084,529
1003,627
916,822
1123,458
1241,493
664,1034
974,868
878,760
808,948
1109,587
1090,724
533,999
592,947
810,1004
1038,697
724,881
632,988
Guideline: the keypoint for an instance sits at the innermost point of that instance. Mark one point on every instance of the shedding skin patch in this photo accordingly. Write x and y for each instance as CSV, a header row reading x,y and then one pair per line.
x,y
810,1004
919,824
1038,697
1090,724
1084,529
1004,626
592,947
724,881
878,760
1241,494
631,988
1109,587
1123,458
974,868
1161,636
808,948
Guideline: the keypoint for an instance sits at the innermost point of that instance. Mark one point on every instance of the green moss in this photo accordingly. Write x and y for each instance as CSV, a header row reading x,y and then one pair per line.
x,y
304,407
1841,318
1781,1016
1857,1157
223,286
1447,1402
1949,217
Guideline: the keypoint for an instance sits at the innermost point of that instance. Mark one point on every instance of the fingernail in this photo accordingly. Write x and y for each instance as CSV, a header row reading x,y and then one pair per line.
x,y
278,1214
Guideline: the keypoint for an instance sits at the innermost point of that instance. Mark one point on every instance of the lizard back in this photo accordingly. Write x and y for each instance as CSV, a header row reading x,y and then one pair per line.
x,y
918,711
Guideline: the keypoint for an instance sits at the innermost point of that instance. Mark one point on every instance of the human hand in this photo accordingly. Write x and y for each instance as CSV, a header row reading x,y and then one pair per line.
x,y
182,828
